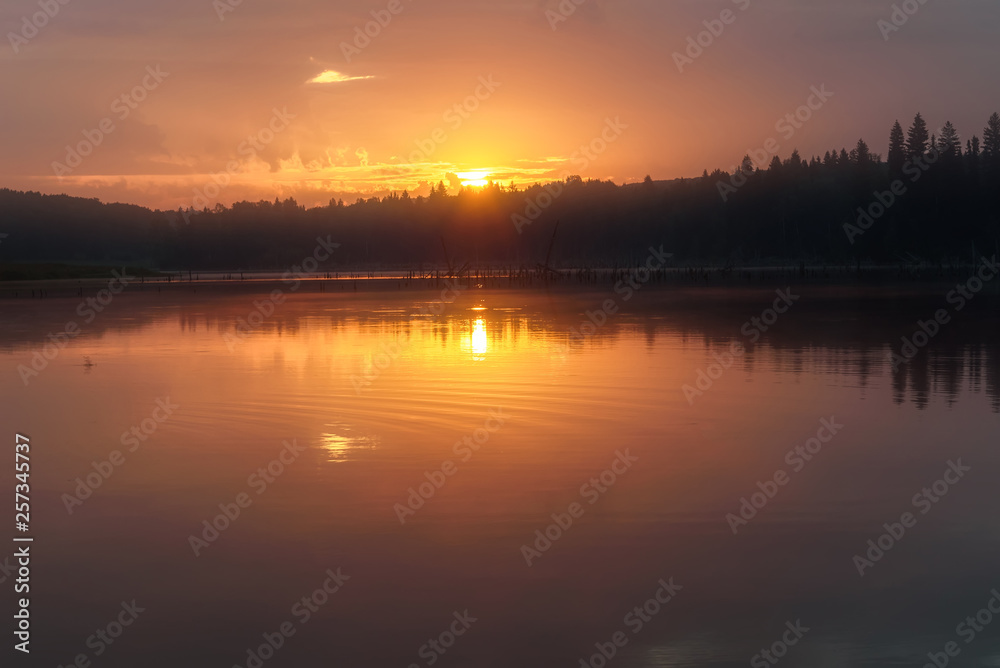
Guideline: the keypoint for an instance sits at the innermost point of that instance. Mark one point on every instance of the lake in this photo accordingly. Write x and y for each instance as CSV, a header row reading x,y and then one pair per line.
x,y
496,478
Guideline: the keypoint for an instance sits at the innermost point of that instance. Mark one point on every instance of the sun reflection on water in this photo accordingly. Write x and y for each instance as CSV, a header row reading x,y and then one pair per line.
x,y
480,342
344,448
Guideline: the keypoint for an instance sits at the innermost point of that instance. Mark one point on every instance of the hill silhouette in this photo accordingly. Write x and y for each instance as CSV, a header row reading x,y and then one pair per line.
x,y
932,199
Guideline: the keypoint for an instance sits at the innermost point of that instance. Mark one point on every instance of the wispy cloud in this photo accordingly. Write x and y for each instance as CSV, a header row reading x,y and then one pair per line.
x,y
333,76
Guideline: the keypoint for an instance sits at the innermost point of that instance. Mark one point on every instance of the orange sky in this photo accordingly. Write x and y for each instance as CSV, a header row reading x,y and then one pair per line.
x,y
362,121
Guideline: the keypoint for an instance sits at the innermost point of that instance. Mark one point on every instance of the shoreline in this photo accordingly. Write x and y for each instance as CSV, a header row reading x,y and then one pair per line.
x,y
572,280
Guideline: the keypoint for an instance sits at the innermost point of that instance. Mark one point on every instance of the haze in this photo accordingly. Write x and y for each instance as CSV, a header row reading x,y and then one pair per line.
x,y
531,90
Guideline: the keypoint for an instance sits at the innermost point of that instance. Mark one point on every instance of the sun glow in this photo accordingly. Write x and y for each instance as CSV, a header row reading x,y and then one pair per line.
x,y
477,178
480,342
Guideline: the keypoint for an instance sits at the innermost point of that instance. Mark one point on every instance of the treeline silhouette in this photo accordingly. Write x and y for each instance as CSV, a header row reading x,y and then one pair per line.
x,y
933,198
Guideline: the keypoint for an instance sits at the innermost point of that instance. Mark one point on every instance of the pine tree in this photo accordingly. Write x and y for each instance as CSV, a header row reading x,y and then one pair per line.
x,y
862,154
951,143
972,158
916,138
795,161
897,149
972,147
991,139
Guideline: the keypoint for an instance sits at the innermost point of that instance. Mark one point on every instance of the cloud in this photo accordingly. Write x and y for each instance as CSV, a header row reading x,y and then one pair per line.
x,y
333,76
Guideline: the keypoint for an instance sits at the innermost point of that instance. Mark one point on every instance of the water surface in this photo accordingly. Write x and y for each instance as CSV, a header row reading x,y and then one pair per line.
x,y
376,393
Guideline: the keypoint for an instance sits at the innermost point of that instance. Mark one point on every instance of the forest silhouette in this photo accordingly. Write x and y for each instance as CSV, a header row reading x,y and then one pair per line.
x,y
932,199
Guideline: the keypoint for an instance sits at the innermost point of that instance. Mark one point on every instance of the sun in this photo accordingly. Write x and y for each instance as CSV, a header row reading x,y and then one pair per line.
x,y
476,178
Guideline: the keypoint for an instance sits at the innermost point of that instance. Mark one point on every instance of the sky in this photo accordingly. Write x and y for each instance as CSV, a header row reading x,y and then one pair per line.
x,y
202,102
